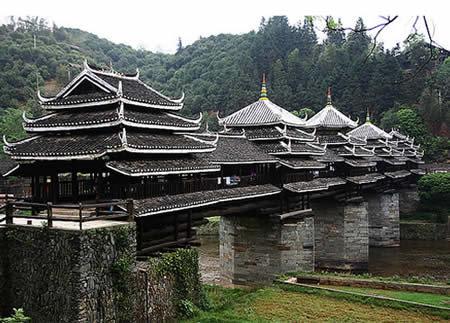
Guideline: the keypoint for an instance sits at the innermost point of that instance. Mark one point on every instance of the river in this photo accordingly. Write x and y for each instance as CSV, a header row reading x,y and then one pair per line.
x,y
412,258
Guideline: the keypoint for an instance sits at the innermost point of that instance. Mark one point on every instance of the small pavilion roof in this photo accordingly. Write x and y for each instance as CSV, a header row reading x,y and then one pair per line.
x,y
260,113
330,117
369,131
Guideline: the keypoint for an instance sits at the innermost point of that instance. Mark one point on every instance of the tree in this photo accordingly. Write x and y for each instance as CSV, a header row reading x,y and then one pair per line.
x,y
179,45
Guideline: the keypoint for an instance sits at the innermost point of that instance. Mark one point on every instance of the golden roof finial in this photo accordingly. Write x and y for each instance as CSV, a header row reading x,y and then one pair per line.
x,y
263,93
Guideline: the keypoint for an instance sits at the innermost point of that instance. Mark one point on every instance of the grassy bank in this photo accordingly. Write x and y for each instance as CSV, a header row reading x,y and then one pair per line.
x,y
423,298
281,305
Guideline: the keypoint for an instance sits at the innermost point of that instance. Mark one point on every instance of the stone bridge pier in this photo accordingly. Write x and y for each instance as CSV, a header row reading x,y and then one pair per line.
x,y
254,249
341,234
384,219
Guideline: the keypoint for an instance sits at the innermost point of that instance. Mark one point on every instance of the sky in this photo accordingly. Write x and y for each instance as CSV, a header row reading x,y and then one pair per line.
x,y
157,25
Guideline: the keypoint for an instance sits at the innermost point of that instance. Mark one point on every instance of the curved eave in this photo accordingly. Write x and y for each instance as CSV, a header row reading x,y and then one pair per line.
x,y
164,172
237,162
95,155
11,171
126,100
298,153
301,167
109,124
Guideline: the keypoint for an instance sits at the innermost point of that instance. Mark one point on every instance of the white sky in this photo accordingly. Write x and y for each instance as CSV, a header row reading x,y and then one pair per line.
x,y
156,25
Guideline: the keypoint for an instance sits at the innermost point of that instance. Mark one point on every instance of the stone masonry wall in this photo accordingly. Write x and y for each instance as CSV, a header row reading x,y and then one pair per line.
x,y
341,235
384,220
64,275
255,249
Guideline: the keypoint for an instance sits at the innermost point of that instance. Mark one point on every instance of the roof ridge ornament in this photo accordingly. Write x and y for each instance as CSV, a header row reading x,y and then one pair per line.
x,y
368,116
123,138
121,110
263,92
25,119
119,89
329,102
180,100
7,144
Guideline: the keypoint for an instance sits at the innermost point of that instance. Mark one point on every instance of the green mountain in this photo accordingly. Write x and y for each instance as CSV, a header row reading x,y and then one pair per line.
x,y
222,73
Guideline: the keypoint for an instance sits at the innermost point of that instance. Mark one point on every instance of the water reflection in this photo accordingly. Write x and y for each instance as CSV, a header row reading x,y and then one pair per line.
x,y
412,258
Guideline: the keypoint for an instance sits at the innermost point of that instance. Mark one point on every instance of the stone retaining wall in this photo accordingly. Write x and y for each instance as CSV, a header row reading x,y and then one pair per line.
x,y
60,275
423,231
63,275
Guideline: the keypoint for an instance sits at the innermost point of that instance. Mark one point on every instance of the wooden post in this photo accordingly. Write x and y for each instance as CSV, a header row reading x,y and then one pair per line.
x,y
49,214
9,212
130,210
80,214
74,186
175,225
189,226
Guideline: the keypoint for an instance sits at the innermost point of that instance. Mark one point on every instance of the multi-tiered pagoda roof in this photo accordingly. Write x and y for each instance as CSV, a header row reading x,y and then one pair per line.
x,y
392,149
275,131
103,114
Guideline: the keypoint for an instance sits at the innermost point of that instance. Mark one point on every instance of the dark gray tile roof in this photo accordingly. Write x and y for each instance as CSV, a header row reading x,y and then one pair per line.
x,y
239,150
73,145
299,163
263,132
272,147
171,203
75,118
261,112
366,178
397,174
151,166
332,139
329,157
359,162
370,131
330,117
318,184
137,90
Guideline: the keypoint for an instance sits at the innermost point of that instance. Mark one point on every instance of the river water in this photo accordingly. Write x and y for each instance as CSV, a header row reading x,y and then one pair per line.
x,y
412,258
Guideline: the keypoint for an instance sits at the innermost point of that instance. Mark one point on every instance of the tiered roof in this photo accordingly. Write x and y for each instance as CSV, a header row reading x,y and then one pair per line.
x,y
103,112
275,131
392,148
330,117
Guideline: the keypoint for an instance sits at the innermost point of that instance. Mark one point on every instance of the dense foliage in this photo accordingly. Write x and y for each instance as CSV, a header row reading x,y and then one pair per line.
x,y
435,188
221,73
434,192
182,265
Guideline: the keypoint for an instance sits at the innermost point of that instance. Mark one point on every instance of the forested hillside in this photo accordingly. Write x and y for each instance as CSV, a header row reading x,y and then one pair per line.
x,y
221,73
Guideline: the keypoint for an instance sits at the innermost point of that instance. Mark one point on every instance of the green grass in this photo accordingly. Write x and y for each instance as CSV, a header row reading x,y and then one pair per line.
x,y
276,304
429,280
423,298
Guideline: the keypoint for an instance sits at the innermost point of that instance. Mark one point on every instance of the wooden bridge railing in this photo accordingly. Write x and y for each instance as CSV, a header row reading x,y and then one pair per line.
x,y
78,213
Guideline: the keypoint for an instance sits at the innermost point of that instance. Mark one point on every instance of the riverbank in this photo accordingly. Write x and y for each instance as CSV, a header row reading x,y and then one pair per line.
x,y
277,304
